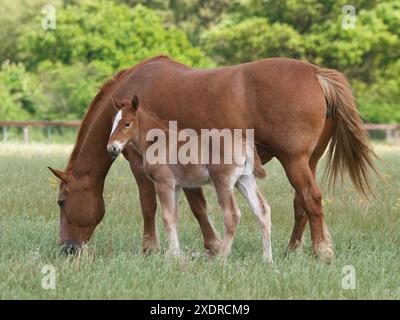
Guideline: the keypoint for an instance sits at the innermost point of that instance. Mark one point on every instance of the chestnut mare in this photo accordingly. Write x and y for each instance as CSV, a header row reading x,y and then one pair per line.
x,y
294,107
237,166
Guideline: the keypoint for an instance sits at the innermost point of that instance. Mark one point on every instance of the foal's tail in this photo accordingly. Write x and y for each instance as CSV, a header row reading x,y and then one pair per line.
x,y
350,149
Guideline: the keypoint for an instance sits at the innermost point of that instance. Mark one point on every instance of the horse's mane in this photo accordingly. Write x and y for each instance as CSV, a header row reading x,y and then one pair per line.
x,y
93,108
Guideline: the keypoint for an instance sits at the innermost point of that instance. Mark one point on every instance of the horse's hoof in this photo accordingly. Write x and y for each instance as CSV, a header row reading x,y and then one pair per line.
x,y
324,251
212,248
294,248
149,248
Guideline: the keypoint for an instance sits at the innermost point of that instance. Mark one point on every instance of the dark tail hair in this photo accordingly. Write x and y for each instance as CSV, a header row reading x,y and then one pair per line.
x,y
350,149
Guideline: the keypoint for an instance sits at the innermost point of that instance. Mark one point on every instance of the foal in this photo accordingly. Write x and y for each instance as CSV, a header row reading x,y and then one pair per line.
x,y
132,125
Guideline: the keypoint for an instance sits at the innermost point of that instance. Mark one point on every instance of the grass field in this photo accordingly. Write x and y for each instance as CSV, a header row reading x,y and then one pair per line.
x,y
366,236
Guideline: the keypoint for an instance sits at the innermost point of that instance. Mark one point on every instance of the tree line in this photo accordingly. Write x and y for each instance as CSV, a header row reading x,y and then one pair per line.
x,y
52,74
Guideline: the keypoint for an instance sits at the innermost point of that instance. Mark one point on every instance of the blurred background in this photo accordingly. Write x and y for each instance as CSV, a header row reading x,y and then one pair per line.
x,y
55,54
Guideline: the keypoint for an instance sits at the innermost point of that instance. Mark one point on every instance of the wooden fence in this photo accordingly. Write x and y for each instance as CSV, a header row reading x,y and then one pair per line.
x,y
392,131
26,124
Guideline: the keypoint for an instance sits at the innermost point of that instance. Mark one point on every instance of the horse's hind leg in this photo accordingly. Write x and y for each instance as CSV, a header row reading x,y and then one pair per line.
x,y
300,215
309,196
300,222
247,186
198,205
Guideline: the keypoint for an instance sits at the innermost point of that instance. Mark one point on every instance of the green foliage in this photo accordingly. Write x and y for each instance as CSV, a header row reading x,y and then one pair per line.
x,y
355,50
253,39
15,17
109,32
21,93
94,39
70,88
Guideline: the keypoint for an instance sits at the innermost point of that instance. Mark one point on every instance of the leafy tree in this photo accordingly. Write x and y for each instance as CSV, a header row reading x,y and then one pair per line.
x,y
252,39
15,16
109,32
53,74
21,93
69,89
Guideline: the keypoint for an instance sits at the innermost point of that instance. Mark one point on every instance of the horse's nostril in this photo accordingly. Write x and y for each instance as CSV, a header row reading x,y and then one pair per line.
x,y
69,247
112,151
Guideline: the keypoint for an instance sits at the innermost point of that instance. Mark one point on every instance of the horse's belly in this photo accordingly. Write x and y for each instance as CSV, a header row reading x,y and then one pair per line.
x,y
193,177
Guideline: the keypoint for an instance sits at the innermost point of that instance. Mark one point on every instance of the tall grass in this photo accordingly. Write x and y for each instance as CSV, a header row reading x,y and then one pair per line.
x,y
366,236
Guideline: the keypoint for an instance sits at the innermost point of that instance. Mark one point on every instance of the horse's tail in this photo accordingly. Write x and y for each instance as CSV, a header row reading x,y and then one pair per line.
x,y
350,149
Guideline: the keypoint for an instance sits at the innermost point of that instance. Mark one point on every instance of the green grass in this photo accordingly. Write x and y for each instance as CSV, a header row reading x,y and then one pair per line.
x,y
366,236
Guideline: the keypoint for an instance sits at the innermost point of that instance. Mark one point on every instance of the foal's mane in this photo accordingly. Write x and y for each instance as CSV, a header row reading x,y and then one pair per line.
x,y
95,103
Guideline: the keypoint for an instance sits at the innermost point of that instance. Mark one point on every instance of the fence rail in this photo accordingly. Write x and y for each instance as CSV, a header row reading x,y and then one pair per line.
x,y
392,131
26,124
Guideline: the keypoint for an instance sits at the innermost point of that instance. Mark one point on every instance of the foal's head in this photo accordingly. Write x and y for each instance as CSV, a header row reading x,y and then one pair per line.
x,y
125,126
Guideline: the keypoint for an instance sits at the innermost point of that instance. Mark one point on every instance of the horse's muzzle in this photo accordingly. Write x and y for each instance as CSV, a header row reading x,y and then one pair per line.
x,y
70,247
113,150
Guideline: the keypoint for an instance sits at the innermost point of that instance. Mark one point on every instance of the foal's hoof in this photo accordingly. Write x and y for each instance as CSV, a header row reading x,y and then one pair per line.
x,y
324,251
268,259
175,253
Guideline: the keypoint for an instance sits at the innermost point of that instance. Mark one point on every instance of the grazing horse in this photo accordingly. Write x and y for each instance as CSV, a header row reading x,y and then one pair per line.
x,y
232,167
295,108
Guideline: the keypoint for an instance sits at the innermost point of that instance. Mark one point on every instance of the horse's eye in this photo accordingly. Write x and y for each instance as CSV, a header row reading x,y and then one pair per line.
x,y
127,125
60,202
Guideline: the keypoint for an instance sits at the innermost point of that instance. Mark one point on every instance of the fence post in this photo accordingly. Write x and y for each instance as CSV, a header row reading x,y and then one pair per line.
x,y
389,135
5,134
26,134
49,139
396,135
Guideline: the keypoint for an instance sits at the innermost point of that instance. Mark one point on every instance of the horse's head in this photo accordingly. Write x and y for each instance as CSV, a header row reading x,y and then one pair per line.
x,y
125,126
81,209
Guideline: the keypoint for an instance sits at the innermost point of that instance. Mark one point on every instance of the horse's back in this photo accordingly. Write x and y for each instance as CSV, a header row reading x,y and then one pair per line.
x,y
278,97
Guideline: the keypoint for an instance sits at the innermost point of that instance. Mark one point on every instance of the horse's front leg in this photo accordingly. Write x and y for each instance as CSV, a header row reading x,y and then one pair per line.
x,y
148,202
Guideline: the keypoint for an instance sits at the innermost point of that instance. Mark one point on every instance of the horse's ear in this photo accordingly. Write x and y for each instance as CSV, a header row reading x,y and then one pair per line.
x,y
60,174
135,102
117,103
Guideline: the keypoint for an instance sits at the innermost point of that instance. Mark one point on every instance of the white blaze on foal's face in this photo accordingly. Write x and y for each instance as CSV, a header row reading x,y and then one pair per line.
x,y
118,117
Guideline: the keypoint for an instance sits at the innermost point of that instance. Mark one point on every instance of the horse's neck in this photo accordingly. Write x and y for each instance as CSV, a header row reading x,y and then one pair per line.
x,y
147,122
92,159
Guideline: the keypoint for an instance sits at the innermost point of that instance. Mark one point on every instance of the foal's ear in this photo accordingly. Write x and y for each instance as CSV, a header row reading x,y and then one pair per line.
x,y
135,102
60,174
117,103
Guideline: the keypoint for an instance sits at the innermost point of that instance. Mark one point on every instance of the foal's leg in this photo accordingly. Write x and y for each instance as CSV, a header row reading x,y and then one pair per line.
x,y
309,195
198,204
169,200
148,203
247,186
231,211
